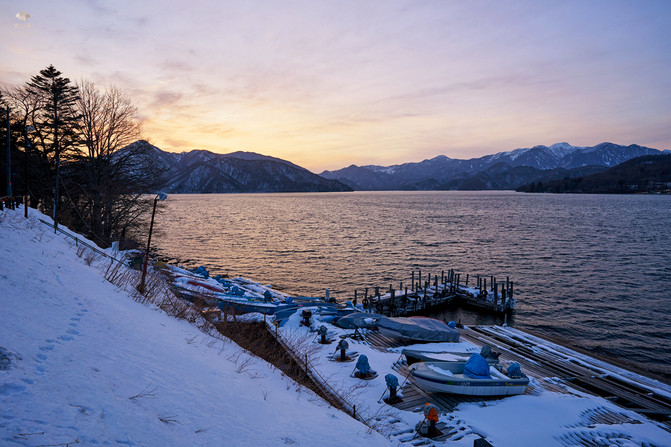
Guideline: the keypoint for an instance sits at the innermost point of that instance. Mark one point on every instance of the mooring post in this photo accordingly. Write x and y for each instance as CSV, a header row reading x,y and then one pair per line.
x,y
466,279
412,280
355,297
484,285
442,276
419,279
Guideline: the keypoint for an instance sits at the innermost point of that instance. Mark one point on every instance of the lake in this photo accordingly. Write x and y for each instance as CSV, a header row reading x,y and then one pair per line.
x,y
591,270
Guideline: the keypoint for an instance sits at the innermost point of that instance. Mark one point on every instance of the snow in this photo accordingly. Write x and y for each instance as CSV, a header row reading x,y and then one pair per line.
x,y
81,349
83,362
541,417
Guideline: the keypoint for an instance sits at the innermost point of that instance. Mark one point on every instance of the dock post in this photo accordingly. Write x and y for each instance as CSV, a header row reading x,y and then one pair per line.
x,y
467,279
419,280
354,297
412,281
442,276
484,287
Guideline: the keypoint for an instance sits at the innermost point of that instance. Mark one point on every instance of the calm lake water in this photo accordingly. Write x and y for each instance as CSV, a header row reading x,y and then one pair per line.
x,y
591,270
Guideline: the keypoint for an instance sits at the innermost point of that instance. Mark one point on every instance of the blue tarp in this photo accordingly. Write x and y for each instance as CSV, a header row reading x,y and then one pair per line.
x,y
477,367
355,320
391,380
514,371
417,328
362,365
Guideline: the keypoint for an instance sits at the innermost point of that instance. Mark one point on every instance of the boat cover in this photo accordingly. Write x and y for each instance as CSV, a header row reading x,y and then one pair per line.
x,y
362,364
419,328
356,320
477,367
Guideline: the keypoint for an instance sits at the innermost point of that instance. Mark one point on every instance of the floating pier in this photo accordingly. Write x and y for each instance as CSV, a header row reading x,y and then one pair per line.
x,y
421,296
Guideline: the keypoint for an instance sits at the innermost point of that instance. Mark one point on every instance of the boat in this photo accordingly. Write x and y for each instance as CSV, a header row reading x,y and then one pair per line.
x,y
414,356
417,329
448,377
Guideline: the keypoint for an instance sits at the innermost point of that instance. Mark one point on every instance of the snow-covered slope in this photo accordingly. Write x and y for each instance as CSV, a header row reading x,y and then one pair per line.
x,y
81,363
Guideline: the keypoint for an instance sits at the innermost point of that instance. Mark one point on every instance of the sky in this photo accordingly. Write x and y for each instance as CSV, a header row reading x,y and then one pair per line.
x,y
326,84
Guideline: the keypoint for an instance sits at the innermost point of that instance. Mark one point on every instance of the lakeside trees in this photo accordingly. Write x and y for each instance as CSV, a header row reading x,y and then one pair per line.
x,y
70,136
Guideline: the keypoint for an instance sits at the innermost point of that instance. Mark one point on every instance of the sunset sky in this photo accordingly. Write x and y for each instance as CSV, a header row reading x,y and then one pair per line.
x,y
328,83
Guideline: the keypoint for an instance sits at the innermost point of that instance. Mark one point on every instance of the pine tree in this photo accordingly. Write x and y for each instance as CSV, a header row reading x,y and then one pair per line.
x,y
58,120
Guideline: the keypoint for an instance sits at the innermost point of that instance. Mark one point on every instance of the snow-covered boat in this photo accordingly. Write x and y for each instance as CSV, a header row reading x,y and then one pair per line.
x,y
449,377
419,329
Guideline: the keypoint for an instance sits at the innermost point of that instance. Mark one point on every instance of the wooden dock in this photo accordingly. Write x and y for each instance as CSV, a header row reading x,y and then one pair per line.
x,y
553,370
486,294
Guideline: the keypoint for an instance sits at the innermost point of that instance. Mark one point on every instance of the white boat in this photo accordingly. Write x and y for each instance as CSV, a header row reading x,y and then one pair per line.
x,y
448,377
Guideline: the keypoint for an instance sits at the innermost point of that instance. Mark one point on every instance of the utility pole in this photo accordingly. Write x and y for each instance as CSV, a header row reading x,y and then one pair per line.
x,y
9,159
58,162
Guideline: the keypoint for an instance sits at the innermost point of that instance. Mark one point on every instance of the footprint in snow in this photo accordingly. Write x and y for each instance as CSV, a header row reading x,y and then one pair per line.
x,y
66,337
47,347
41,357
11,388
72,331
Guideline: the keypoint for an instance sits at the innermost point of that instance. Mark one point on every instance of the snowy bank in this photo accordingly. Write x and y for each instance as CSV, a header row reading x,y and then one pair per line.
x,y
83,363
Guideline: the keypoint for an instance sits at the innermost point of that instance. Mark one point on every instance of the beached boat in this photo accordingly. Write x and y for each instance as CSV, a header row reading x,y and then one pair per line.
x,y
418,329
448,377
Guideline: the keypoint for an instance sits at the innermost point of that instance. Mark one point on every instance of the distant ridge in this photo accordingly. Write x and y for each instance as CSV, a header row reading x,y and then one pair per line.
x,y
645,174
202,171
503,170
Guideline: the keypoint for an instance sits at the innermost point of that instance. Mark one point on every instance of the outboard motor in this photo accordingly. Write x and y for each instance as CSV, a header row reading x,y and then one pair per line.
x,y
392,384
364,370
322,332
343,345
306,314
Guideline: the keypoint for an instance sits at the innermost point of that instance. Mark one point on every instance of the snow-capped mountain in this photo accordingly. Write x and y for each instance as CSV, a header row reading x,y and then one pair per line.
x,y
201,171
447,173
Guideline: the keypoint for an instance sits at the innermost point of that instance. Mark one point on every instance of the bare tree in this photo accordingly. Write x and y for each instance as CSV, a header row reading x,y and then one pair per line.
x,y
108,184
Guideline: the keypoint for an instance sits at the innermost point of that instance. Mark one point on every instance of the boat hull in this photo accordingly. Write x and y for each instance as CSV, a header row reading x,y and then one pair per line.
x,y
429,377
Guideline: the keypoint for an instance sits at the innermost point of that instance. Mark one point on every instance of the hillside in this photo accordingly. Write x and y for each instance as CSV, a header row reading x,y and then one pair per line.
x,y
82,363
645,174
201,171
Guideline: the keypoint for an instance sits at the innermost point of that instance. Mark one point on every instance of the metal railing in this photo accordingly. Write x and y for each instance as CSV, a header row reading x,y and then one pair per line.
x,y
79,242
336,398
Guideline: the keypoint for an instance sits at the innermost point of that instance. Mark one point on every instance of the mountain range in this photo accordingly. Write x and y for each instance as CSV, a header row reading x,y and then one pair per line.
x,y
504,170
202,171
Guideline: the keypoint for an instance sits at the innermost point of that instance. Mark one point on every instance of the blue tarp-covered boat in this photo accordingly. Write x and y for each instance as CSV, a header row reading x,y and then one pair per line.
x,y
420,329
